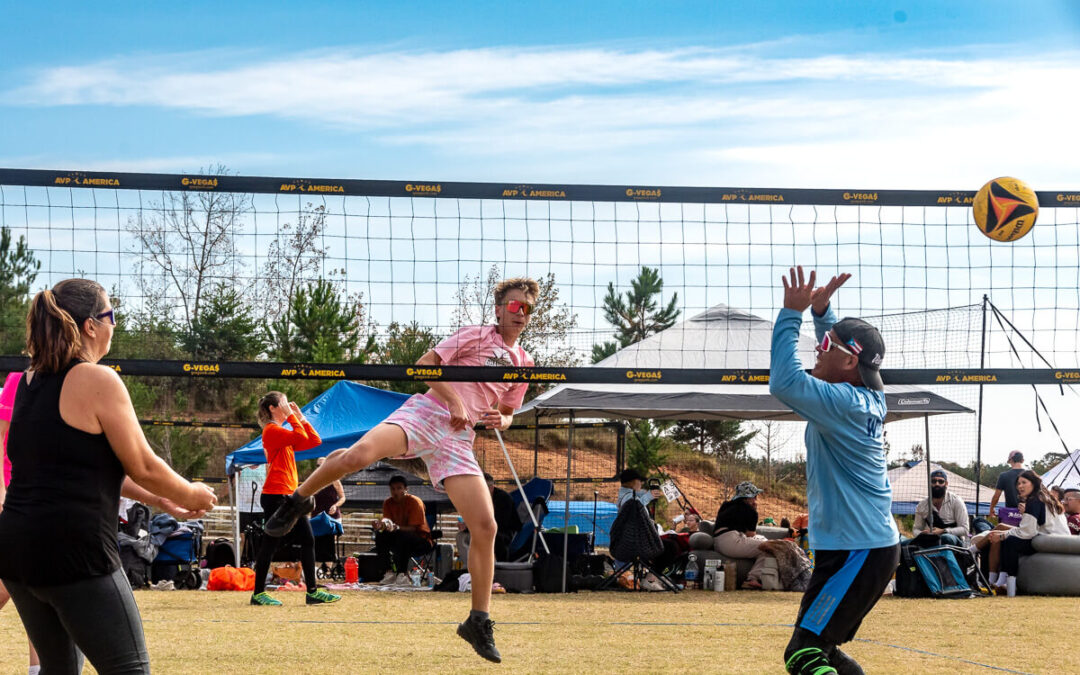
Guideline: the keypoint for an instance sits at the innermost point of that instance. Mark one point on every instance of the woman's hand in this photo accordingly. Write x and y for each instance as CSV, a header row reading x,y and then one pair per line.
x,y
492,419
179,512
202,498
295,410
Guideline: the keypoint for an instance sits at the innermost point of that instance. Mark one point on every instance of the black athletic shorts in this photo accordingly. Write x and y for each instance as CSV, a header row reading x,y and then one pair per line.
x,y
843,589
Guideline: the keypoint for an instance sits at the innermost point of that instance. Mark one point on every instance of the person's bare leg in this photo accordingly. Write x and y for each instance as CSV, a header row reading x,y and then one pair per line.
x,y
385,440
472,500
995,556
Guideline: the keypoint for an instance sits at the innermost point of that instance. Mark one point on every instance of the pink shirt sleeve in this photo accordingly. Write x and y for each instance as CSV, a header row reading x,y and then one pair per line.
x,y
7,396
450,349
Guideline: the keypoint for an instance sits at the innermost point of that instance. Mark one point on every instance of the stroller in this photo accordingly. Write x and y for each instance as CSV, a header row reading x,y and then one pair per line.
x,y
178,552
328,550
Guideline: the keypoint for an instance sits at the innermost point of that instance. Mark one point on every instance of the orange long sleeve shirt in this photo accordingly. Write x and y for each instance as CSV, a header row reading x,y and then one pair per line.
x,y
280,444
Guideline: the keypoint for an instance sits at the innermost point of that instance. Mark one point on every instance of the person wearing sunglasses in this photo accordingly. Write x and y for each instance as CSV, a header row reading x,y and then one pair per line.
x,y
855,541
437,426
950,517
76,446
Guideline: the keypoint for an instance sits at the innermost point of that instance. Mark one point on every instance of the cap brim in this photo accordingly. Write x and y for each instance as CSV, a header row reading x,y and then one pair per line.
x,y
871,378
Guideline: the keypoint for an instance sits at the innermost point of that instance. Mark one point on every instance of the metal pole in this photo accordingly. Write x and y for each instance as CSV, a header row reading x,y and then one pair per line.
x,y
978,433
566,504
521,489
234,498
929,486
536,447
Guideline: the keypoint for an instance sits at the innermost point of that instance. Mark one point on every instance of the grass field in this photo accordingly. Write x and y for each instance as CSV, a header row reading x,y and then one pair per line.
x,y
698,631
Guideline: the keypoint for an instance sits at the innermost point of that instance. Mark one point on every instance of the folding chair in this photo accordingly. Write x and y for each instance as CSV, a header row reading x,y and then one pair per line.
x,y
436,561
538,490
635,542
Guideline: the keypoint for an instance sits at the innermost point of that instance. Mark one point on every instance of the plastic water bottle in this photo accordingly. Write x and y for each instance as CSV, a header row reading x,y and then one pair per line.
x,y
352,570
691,571
429,579
414,577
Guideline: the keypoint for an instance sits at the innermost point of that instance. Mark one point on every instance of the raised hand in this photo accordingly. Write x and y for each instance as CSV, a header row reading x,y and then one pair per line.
x,y
798,291
820,297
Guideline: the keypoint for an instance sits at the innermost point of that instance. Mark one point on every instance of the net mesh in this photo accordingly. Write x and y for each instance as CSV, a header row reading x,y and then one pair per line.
x,y
407,264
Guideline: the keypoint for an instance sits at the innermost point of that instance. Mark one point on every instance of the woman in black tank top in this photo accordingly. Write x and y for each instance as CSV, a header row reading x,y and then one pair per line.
x,y
75,446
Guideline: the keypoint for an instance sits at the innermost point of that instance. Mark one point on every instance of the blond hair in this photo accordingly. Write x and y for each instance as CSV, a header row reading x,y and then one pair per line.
x,y
524,284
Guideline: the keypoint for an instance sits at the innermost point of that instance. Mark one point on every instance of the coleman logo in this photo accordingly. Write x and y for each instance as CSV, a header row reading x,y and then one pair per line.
x,y
202,368
643,193
423,372
422,188
199,183
860,196
914,401
79,179
1075,197
644,375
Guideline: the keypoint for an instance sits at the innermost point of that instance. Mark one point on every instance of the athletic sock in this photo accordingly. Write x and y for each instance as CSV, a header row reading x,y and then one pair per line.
x,y
994,578
478,616
34,670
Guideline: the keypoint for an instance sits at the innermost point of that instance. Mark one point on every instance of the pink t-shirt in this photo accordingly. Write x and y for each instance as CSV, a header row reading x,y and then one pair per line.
x,y
7,404
483,346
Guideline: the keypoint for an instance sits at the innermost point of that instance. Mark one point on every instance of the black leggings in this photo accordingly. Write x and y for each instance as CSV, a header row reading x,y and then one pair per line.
x,y
1012,549
301,534
96,617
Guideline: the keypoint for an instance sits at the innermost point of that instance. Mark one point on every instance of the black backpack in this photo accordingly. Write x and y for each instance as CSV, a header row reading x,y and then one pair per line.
x,y
634,535
547,574
220,553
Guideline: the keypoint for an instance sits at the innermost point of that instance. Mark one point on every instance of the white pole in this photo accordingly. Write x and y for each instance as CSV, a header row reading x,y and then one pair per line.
x,y
234,497
521,489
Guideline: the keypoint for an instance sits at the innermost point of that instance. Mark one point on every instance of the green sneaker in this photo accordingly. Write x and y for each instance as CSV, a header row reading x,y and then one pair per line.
x,y
264,598
320,597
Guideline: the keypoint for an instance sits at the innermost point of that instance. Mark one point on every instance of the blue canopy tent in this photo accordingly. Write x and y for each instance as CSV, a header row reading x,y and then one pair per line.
x,y
342,415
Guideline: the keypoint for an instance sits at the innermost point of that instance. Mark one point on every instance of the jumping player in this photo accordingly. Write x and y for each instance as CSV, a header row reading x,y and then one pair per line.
x,y
855,541
438,427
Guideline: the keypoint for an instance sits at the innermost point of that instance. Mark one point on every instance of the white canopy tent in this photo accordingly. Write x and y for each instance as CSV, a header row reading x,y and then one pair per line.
x,y
1066,473
909,488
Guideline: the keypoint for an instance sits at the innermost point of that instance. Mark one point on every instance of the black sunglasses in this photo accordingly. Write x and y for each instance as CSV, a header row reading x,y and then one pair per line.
x,y
110,315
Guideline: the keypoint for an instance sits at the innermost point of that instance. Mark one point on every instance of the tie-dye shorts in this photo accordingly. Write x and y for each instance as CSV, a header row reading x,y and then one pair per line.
x,y
426,423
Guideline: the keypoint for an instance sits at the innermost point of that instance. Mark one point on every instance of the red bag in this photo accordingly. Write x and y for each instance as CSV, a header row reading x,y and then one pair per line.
x,y
230,578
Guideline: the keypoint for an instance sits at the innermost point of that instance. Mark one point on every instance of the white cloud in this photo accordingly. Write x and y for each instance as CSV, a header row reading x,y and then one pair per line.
x,y
893,120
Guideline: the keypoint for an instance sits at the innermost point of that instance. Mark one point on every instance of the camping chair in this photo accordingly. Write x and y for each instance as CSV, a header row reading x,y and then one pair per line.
x,y
432,561
635,542
523,546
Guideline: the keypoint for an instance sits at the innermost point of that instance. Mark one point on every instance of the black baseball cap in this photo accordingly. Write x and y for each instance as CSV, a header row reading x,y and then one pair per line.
x,y
939,473
865,340
628,475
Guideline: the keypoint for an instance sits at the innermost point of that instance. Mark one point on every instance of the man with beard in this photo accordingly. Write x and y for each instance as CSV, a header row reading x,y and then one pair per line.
x,y
950,516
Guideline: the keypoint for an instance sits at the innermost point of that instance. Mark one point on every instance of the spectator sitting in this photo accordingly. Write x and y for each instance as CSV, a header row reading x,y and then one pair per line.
x,y
950,516
1072,509
506,520
329,499
735,530
1043,514
690,524
632,483
401,534
1006,483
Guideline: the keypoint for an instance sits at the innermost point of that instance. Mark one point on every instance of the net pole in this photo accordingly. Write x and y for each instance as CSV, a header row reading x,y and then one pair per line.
x,y
979,427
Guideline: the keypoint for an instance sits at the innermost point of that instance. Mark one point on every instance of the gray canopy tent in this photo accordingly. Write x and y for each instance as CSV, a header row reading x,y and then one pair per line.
x,y
721,337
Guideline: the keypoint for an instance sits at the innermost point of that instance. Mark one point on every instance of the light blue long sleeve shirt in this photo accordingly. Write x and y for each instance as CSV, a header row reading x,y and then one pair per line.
x,y
626,494
847,484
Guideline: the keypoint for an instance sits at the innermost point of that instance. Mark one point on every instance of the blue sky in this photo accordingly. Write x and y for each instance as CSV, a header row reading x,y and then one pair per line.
x,y
758,94
823,94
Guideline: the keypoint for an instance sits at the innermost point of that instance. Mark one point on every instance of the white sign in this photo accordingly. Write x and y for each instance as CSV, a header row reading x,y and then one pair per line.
x,y
671,493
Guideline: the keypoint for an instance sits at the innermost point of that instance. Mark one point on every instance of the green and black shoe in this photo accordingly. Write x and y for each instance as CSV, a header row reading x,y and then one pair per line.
x,y
320,597
265,599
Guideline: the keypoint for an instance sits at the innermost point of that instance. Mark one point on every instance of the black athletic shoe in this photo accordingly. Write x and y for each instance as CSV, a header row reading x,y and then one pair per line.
x,y
481,635
290,511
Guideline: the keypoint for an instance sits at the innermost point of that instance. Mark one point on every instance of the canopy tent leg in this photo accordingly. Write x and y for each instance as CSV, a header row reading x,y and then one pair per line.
x,y
234,498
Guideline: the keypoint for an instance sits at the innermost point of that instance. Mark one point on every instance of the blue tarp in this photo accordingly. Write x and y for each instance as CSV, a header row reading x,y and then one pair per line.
x,y
581,514
341,414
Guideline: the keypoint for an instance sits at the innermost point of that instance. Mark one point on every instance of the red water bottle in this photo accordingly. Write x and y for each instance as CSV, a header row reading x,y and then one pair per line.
x,y
352,570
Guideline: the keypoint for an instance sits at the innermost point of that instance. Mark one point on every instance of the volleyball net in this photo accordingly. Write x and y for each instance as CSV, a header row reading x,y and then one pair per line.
x,y
219,276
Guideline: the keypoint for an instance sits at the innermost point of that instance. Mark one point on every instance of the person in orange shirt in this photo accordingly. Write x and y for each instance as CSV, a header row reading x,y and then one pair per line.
x,y
402,533
281,445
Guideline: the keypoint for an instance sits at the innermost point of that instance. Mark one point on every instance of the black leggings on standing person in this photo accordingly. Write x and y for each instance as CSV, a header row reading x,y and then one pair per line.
x,y
96,617
301,534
